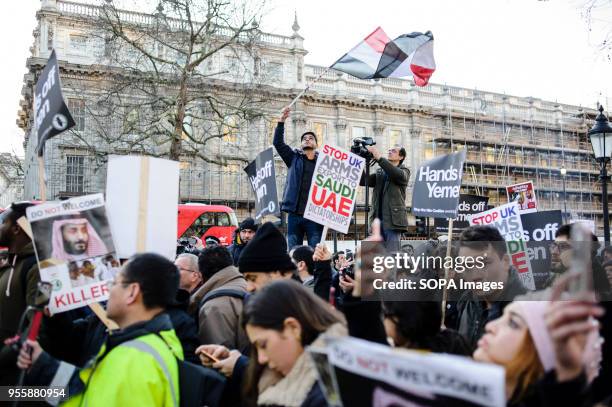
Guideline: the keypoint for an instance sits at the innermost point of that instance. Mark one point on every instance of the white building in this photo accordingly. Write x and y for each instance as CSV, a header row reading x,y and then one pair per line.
x,y
11,179
509,139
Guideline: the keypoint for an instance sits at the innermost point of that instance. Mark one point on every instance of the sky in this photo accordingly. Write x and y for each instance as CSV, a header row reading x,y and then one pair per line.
x,y
543,49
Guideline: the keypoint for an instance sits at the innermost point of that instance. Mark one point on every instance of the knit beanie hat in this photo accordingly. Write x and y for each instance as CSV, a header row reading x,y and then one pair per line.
x,y
266,252
248,223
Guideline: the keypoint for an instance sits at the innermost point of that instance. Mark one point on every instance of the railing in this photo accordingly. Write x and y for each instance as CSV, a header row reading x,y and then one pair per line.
x,y
144,19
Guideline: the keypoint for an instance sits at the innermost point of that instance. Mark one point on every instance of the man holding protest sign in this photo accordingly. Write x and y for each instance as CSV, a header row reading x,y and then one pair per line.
x,y
389,197
301,164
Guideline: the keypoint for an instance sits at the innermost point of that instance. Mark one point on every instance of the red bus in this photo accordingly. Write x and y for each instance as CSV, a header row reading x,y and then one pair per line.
x,y
196,219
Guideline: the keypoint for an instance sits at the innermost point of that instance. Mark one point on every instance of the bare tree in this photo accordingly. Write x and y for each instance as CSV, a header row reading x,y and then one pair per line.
x,y
175,81
598,16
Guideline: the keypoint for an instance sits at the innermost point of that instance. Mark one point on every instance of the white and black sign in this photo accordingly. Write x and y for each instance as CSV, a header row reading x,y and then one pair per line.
x,y
51,115
468,205
437,185
263,180
539,230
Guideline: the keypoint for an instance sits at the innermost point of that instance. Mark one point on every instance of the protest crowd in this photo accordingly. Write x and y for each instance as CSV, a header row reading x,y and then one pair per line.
x,y
243,324
100,305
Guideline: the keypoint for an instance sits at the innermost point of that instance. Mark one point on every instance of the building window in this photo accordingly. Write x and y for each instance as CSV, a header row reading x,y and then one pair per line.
x,y
320,129
358,132
77,110
75,173
395,138
274,71
78,44
232,64
230,130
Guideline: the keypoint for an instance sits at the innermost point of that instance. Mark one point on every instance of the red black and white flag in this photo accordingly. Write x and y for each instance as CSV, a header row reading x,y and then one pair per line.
x,y
379,57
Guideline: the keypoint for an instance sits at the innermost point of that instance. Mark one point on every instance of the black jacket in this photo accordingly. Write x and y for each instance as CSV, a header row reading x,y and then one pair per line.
x,y
394,212
294,159
185,326
473,315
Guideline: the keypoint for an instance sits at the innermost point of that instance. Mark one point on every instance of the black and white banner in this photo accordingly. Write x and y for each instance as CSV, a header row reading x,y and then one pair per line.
x,y
262,178
539,230
437,185
468,205
51,115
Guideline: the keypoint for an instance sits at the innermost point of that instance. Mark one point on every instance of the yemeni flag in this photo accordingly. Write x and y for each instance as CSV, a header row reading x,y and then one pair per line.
x,y
379,57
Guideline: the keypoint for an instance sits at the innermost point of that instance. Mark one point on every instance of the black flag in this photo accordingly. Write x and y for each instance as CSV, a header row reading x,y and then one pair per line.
x,y
51,115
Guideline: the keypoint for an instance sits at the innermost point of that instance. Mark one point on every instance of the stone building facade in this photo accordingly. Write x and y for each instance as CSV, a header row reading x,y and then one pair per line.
x,y
509,139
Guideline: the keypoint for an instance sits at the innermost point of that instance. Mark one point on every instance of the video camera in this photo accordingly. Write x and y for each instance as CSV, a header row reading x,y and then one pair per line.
x,y
186,245
359,147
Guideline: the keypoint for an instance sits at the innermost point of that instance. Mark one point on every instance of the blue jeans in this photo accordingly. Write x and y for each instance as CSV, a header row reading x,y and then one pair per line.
x,y
391,238
297,226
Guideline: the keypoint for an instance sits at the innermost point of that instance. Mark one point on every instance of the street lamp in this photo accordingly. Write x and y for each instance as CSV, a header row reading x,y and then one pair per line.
x,y
563,173
601,141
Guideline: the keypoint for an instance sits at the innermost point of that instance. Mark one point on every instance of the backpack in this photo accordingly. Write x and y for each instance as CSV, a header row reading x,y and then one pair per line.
x,y
198,385
223,292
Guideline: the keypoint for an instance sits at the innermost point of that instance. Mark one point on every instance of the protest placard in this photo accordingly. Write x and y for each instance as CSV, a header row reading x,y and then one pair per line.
x,y
507,219
51,115
524,195
75,250
262,178
468,205
142,204
333,191
437,185
539,230
370,374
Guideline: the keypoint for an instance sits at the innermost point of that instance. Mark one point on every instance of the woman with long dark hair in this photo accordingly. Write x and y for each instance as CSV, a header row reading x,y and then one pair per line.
x,y
281,320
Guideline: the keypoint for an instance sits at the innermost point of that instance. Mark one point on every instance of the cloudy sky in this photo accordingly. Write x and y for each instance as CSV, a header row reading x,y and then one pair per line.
x,y
544,49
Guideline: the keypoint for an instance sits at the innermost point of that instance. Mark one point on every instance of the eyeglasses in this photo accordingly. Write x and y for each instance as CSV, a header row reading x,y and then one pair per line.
x,y
111,283
560,246
187,270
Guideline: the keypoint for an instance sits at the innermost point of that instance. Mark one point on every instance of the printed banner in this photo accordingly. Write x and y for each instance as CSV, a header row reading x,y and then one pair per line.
x,y
468,205
524,195
51,115
332,195
539,230
507,219
263,180
75,250
437,185
370,374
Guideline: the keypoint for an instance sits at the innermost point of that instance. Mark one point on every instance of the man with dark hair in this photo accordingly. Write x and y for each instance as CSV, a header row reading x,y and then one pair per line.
x,y
136,365
302,258
479,305
301,164
561,253
218,302
244,234
18,284
337,260
390,182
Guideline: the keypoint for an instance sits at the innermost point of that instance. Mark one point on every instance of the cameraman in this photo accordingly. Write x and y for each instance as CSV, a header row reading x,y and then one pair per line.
x,y
301,164
389,197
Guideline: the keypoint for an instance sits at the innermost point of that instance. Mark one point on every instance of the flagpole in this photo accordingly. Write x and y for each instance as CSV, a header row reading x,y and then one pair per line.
x,y
41,178
308,85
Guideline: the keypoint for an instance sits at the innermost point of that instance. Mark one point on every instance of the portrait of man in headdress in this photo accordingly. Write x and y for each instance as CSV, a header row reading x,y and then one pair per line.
x,y
75,239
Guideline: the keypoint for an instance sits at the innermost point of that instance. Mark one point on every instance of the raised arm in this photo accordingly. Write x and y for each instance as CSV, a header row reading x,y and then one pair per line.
x,y
281,147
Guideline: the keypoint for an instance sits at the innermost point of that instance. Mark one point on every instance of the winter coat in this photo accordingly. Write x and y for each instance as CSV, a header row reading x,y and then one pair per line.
x,y
128,360
185,326
18,288
294,159
473,315
219,318
394,212
299,388
236,250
